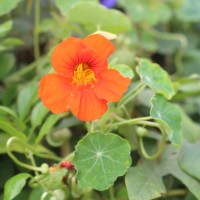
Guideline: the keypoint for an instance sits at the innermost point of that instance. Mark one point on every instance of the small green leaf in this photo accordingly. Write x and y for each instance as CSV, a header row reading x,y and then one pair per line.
x,y
7,61
169,116
9,42
95,17
143,183
5,27
189,159
156,78
100,158
25,99
7,5
46,127
14,186
64,6
8,128
124,70
38,114
7,111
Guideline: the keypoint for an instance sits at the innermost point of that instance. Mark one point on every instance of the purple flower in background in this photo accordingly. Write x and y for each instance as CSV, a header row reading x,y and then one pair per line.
x,y
108,3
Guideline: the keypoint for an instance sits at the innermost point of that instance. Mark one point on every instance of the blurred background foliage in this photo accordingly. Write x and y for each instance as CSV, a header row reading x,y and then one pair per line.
x,y
165,31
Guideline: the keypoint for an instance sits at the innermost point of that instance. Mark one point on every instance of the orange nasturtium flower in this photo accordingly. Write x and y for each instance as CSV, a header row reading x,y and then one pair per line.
x,y
82,81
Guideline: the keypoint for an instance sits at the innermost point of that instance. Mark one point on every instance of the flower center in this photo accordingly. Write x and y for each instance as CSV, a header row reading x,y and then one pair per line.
x,y
83,75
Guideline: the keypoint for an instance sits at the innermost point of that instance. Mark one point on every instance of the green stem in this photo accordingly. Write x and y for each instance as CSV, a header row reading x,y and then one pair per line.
x,y
178,192
8,149
138,120
111,193
88,126
142,121
171,36
30,156
160,150
36,30
130,95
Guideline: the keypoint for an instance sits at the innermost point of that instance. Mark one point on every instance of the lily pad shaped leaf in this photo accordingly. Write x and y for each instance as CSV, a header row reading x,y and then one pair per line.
x,y
143,183
96,17
169,116
156,78
100,158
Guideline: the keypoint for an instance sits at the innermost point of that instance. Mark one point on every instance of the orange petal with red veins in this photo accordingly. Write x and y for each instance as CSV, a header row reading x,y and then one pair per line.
x,y
55,91
103,49
68,54
86,106
111,85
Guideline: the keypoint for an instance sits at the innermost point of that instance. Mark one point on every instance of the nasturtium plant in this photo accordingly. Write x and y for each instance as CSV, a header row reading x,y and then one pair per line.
x,y
100,158
99,99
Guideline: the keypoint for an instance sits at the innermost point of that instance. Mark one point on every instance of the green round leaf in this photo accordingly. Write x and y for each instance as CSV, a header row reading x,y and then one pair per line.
x,y
14,185
169,116
143,183
147,12
189,11
64,6
94,17
189,159
168,164
100,158
156,78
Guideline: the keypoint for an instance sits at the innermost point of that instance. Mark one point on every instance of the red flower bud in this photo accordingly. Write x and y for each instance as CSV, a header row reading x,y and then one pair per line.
x,y
68,165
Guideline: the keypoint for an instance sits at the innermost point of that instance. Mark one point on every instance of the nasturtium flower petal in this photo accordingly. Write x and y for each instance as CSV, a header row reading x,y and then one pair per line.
x,y
103,49
55,92
111,85
86,105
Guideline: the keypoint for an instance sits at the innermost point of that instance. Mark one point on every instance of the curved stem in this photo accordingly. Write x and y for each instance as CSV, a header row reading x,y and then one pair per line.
x,y
171,36
36,30
138,120
130,95
30,156
142,121
8,149
160,150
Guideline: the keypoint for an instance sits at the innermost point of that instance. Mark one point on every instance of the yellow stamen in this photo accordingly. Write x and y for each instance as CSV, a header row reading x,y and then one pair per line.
x,y
83,75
